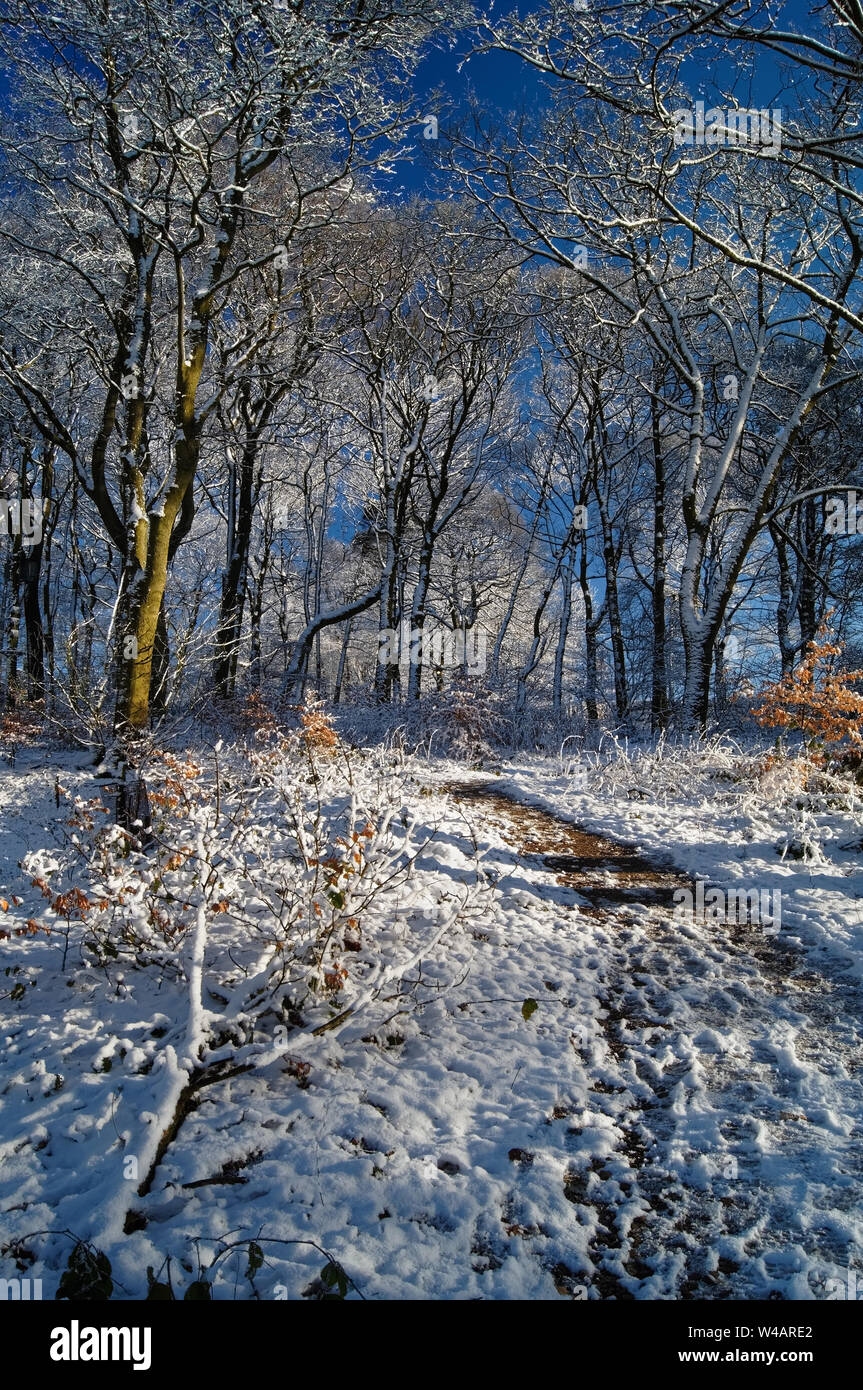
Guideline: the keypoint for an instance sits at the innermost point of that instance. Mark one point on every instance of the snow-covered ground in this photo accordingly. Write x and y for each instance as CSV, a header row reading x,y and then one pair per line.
x,y
679,1115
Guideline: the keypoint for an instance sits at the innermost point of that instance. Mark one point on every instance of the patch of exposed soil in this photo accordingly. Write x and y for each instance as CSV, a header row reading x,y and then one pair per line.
x,y
606,872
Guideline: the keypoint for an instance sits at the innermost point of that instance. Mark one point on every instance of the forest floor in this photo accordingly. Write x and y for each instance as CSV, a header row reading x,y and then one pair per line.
x,y
593,1096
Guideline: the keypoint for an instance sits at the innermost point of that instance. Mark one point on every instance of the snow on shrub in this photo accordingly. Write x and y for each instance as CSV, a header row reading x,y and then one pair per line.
x,y
270,881
268,908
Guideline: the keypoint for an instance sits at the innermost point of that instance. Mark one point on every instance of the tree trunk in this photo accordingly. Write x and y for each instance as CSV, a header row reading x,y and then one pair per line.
x,y
161,663
698,648
510,608
659,670
146,591
537,645
565,616
811,592
785,603
13,629
591,658
618,653
720,684
418,614
387,671
303,644
343,658
235,578
35,660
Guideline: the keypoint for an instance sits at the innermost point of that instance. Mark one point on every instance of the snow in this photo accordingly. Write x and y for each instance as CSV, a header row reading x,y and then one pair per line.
x,y
679,1116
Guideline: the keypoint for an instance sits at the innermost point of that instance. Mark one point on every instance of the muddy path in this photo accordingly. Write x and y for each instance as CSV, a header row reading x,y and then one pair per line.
x,y
605,872
724,1052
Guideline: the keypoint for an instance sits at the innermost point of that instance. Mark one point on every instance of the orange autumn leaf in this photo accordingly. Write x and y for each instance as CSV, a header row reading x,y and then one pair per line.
x,y
816,699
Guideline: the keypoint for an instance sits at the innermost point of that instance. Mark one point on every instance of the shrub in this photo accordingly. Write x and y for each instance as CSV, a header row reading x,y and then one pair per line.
x,y
816,699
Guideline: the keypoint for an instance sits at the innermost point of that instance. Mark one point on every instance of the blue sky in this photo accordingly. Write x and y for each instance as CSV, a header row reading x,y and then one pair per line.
x,y
503,83
500,83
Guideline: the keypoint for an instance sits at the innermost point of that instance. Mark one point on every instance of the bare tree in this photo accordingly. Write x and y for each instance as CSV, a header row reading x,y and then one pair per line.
x,y
162,141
